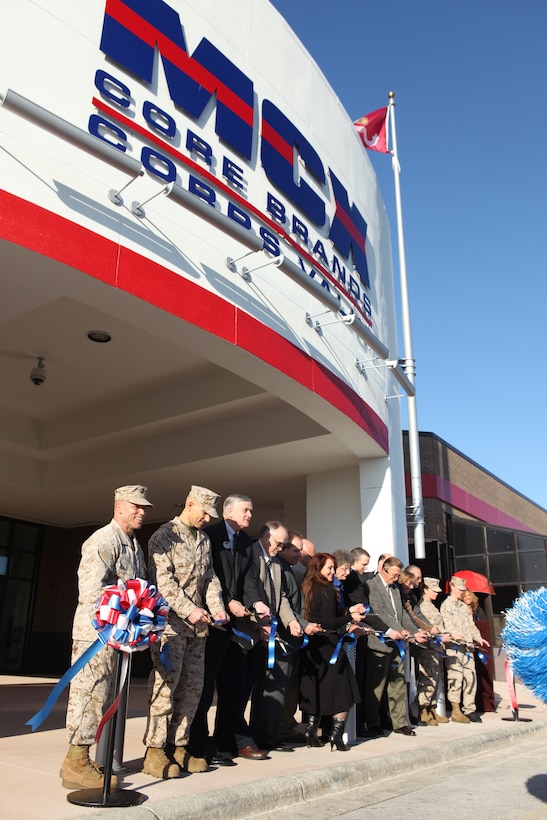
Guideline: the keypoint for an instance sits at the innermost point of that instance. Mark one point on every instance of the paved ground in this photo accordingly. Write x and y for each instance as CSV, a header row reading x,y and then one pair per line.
x,y
501,783
29,762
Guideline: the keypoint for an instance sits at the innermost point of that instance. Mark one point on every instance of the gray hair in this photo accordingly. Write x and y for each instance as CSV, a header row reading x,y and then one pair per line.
x,y
230,500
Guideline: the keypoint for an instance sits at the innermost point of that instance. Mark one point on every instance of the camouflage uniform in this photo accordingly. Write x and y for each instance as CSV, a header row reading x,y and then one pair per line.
x,y
429,664
108,555
181,567
461,674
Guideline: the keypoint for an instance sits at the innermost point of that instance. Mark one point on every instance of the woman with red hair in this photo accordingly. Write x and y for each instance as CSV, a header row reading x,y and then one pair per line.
x,y
327,689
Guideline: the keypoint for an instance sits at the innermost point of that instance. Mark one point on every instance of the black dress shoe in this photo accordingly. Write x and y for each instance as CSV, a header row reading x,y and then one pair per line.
x,y
222,759
374,731
405,730
252,752
473,717
294,739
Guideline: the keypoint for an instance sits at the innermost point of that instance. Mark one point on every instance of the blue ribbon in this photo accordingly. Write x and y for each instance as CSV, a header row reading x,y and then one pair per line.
x,y
347,636
399,644
37,719
401,647
271,643
165,657
243,636
305,641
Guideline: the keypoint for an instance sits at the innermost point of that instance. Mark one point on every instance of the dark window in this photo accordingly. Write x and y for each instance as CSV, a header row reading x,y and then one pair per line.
x,y
504,598
503,568
475,562
500,541
533,567
530,543
467,539
19,553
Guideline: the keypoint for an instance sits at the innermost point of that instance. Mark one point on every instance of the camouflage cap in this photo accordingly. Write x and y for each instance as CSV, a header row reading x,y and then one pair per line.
x,y
432,583
207,499
459,583
134,493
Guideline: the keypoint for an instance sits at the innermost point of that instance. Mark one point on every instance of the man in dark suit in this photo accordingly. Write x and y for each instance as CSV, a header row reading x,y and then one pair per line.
x,y
226,662
384,664
289,557
269,685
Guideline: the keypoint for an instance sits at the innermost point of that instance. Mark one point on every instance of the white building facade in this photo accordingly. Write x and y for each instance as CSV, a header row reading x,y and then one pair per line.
x,y
181,177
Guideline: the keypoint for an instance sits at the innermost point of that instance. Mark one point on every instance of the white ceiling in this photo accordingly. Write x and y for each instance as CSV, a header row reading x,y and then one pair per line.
x,y
163,404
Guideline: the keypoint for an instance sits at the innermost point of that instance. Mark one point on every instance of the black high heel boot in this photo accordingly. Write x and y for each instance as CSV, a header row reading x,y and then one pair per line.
x,y
311,731
336,738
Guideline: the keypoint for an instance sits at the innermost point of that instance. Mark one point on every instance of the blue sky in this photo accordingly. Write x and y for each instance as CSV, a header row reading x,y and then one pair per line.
x,y
470,83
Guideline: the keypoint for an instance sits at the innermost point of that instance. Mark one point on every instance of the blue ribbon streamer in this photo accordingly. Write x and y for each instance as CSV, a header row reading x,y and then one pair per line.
x,y
165,657
305,642
401,647
37,719
347,636
243,636
271,643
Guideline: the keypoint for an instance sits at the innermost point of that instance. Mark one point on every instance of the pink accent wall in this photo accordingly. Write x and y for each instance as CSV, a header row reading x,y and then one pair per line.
x,y
434,486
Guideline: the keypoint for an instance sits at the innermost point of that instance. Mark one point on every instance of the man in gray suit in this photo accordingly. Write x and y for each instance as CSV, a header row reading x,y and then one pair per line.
x,y
384,664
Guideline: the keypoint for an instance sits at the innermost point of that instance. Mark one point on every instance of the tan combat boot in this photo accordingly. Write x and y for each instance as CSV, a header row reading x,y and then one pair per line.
x,y
427,717
457,714
439,718
79,772
157,764
185,760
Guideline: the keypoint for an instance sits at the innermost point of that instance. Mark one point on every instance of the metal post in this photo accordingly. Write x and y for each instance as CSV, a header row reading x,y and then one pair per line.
x,y
119,739
409,361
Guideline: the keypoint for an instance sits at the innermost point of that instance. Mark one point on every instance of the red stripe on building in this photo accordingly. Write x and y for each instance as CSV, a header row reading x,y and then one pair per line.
x,y
53,236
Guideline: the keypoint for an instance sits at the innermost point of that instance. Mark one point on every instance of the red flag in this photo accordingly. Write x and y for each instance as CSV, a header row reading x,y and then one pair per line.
x,y
373,132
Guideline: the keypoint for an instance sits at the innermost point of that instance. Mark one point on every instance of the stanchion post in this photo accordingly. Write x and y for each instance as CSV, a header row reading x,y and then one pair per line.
x,y
119,739
104,798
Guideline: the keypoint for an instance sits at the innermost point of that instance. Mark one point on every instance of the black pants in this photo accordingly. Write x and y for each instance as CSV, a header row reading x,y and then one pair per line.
x,y
229,668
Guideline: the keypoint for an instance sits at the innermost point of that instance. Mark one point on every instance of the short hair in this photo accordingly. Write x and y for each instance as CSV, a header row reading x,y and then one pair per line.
x,y
230,500
359,552
392,561
294,534
269,526
342,558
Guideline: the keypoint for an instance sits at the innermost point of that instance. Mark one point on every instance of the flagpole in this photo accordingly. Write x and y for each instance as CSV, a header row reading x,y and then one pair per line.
x,y
409,361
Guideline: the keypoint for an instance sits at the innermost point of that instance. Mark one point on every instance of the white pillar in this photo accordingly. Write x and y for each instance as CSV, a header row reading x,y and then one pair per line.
x,y
383,505
364,505
333,510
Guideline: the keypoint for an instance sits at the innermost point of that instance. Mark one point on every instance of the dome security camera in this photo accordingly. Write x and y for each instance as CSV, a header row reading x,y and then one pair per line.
x,y
38,374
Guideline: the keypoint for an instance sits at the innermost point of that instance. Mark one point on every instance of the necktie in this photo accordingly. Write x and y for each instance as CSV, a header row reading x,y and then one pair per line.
x,y
235,538
269,569
390,589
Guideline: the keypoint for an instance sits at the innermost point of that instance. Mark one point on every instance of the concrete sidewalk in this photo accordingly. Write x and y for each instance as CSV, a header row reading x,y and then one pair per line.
x,y
31,787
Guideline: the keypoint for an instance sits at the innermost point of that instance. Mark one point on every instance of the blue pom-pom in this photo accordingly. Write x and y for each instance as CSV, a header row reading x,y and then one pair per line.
x,y
525,640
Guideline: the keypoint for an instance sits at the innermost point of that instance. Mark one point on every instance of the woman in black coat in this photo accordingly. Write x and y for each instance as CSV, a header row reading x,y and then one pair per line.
x,y
325,688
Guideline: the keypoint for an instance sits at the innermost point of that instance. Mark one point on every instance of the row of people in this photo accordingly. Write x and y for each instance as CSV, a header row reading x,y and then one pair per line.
x,y
454,641
227,598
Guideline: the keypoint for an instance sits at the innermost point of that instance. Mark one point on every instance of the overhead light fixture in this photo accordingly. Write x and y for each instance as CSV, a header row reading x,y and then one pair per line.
x,y
99,336
38,373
